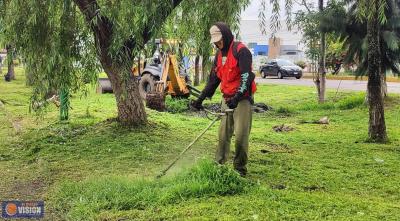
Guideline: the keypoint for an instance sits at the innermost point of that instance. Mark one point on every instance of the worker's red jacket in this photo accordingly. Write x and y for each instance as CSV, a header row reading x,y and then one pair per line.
x,y
232,80
235,74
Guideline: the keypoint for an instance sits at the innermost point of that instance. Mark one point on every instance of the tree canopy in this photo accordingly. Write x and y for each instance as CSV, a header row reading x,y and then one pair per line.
x,y
356,42
64,44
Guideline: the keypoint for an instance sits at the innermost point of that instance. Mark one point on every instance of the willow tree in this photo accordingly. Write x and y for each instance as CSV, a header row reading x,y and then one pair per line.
x,y
10,75
192,20
10,63
66,42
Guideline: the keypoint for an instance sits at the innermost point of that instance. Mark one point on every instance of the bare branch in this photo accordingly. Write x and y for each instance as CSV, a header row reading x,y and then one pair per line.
x,y
303,3
100,25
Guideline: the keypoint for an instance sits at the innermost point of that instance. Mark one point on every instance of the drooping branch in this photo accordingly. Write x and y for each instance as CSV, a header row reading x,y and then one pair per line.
x,y
148,30
304,3
100,25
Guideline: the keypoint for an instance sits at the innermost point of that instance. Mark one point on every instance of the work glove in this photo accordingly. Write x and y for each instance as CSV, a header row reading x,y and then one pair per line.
x,y
197,104
232,102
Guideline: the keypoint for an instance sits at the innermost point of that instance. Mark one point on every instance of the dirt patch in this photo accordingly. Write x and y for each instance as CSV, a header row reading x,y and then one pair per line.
x,y
5,157
17,125
282,128
261,108
276,148
27,189
391,102
278,186
314,188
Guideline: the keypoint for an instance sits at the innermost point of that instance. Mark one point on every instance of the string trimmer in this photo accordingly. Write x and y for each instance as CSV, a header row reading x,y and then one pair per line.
x,y
218,116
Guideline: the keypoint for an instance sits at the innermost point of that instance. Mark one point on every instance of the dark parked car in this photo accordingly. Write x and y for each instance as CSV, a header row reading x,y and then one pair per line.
x,y
281,68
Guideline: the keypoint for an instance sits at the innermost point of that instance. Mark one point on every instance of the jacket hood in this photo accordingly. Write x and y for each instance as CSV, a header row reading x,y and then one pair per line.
x,y
227,36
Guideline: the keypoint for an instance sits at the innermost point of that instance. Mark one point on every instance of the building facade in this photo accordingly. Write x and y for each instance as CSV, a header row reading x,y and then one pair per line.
x,y
286,44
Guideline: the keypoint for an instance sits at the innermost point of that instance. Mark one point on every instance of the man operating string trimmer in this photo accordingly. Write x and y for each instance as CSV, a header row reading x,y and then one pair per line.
x,y
232,70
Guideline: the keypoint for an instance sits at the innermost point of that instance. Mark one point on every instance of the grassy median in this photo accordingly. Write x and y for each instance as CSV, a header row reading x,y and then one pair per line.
x,y
90,168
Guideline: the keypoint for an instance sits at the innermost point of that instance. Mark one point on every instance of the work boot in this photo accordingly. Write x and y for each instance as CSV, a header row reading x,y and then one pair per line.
x,y
242,173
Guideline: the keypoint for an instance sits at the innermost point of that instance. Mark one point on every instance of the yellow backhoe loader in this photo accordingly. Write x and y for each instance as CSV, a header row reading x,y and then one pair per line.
x,y
170,83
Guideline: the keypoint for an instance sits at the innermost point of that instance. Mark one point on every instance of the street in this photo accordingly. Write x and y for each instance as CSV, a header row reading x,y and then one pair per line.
x,y
354,85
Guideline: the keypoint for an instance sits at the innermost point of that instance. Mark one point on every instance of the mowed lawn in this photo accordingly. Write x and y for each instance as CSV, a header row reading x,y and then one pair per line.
x,y
90,168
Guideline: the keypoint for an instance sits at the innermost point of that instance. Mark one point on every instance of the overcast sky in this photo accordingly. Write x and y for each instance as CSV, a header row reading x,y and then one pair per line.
x,y
250,31
251,12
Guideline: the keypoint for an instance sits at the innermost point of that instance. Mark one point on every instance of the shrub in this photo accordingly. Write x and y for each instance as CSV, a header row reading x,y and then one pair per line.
x,y
176,105
301,64
351,102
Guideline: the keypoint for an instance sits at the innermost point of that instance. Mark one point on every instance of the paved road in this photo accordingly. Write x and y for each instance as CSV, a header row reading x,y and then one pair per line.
x,y
354,85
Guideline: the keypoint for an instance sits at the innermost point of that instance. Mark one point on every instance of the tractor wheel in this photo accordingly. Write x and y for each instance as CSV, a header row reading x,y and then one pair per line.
x,y
146,85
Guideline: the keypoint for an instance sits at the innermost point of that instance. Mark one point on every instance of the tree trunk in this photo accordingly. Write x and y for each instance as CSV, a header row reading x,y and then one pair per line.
x,y
384,85
131,111
320,81
1,66
10,64
11,71
197,71
29,79
377,127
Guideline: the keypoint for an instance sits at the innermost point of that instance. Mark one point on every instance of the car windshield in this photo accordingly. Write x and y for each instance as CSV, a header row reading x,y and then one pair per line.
x,y
285,63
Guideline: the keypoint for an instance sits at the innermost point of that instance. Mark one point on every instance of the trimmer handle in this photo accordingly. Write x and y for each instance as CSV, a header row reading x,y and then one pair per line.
x,y
228,111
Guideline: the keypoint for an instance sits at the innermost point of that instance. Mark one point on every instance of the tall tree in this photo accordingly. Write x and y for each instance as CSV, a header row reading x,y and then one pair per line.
x,y
312,23
373,12
60,40
2,12
377,126
371,36
320,78
355,41
65,42
193,19
10,64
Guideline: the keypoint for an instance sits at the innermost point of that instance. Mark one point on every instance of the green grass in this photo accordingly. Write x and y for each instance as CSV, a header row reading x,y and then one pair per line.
x,y
92,169
86,200
176,105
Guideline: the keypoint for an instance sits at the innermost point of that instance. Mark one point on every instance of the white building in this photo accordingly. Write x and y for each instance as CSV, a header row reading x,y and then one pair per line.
x,y
290,46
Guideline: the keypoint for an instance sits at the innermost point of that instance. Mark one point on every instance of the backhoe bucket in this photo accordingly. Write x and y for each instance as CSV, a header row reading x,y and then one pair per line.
x,y
155,101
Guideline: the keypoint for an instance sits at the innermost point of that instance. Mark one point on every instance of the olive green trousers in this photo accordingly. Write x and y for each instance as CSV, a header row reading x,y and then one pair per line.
x,y
237,123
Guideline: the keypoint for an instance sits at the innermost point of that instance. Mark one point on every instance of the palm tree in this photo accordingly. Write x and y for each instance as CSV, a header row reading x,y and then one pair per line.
x,y
374,12
355,40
